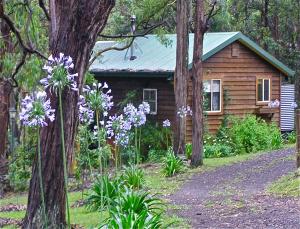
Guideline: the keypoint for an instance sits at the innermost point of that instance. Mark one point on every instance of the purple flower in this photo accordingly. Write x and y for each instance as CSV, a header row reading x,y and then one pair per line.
x,y
59,73
35,109
118,128
137,117
86,115
274,104
166,123
98,98
294,105
184,111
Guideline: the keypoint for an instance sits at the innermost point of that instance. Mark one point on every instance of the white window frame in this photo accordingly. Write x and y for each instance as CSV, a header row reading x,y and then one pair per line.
x,y
221,97
263,90
155,90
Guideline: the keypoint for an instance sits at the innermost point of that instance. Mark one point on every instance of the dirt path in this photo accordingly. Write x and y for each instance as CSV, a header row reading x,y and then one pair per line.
x,y
234,196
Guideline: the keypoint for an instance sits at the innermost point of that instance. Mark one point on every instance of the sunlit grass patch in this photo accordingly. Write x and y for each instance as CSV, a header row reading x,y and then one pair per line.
x,y
288,185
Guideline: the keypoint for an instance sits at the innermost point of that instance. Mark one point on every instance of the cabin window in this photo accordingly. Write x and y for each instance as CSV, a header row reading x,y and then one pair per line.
x,y
150,96
212,95
263,90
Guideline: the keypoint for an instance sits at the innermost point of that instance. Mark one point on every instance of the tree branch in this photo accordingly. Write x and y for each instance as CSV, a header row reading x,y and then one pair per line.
x,y
210,14
24,47
123,36
135,35
42,5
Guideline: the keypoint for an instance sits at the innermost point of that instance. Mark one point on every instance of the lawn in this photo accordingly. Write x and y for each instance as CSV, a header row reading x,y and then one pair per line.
x,y
155,183
288,185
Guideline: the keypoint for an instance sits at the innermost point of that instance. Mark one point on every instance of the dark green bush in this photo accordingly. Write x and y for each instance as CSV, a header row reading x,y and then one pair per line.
x,y
133,177
252,134
292,137
104,192
156,155
135,209
218,150
188,151
172,165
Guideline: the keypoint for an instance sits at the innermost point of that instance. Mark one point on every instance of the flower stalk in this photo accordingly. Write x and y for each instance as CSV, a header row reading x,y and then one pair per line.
x,y
64,155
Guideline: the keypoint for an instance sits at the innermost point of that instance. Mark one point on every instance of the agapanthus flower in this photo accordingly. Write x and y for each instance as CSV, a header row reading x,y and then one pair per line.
x,y
166,123
294,105
98,97
35,109
59,73
274,104
137,116
86,115
184,111
118,128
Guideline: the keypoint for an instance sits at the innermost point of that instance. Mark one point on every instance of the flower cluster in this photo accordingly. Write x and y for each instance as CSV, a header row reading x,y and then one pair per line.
x,y
118,128
166,123
274,104
137,117
59,73
184,111
294,105
98,98
86,115
35,109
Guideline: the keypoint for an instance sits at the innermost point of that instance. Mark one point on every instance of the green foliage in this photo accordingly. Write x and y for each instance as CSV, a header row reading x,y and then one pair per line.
x,y
252,134
218,150
188,150
286,185
20,167
172,165
292,137
133,177
135,210
156,155
104,192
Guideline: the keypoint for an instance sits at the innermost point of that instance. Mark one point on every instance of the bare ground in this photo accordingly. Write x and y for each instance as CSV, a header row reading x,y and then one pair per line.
x,y
234,196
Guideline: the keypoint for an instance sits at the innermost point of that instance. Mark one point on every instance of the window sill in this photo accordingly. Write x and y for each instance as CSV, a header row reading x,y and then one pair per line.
x,y
211,113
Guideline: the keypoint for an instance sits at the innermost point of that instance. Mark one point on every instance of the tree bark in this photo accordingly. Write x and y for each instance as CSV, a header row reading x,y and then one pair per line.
x,y
197,82
73,31
5,91
181,73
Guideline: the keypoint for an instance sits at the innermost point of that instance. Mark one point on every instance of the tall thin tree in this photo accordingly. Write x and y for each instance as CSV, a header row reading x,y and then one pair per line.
x,y
181,72
201,26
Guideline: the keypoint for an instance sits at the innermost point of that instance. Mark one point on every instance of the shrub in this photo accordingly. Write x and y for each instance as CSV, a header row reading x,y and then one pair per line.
x,y
156,155
218,150
292,138
135,210
133,177
252,134
188,151
172,165
104,193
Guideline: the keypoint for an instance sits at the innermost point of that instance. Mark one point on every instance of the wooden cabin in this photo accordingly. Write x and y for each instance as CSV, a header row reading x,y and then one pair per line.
x,y
239,76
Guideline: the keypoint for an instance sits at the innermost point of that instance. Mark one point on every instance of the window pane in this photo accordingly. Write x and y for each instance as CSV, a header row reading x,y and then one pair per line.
x,y
207,85
152,107
153,95
216,101
266,89
260,90
216,86
207,101
146,95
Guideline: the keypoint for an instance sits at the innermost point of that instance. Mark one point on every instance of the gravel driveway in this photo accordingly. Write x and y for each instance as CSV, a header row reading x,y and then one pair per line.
x,y
234,196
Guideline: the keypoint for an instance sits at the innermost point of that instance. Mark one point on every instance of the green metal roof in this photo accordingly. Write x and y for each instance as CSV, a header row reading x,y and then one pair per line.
x,y
155,57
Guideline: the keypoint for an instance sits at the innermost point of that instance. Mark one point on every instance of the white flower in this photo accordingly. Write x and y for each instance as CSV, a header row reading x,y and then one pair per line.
x,y
294,105
166,123
184,111
274,104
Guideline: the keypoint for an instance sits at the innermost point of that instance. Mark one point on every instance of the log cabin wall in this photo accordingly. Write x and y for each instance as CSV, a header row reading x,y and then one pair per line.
x,y
238,68
120,86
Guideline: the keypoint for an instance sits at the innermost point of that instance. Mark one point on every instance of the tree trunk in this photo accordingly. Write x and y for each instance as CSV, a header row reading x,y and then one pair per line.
x,y
73,31
5,91
181,73
197,82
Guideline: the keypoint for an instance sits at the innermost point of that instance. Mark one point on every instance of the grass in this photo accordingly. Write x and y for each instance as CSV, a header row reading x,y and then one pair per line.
x,y
288,185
